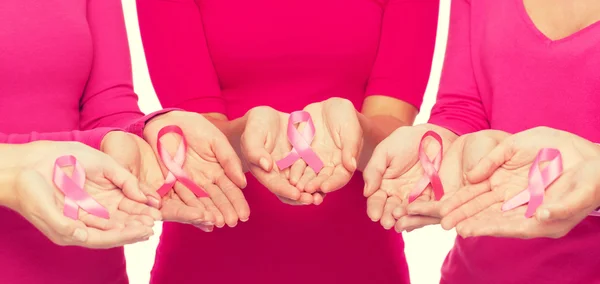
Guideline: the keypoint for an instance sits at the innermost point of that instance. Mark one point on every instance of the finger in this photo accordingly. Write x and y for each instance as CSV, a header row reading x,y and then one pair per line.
x,y
375,169
276,183
576,205
222,204
462,196
306,198
309,174
154,199
190,199
219,219
123,179
69,231
236,197
177,211
375,204
254,141
409,223
387,219
340,177
296,171
229,160
470,209
205,228
134,208
315,184
116,238
491,162
351,142
428,209
318,198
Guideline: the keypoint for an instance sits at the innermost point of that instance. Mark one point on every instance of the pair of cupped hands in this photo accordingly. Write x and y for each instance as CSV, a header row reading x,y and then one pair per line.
x,y
124,176
479,172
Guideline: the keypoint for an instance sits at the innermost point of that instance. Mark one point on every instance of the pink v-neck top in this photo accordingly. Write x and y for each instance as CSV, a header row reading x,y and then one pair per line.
x,y
502,73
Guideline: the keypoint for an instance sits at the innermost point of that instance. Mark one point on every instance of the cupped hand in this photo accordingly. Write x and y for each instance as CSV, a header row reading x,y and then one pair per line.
x,y
506,170
210,162
393,172
264,142
112,186
464,153
137,156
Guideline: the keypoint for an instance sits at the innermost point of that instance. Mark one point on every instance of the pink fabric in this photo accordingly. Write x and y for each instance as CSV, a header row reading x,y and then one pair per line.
x,y
230,56
502,73
64,71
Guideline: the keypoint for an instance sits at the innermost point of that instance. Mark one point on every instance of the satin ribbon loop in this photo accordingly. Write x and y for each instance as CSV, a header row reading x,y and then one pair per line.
x,y
72,187
301,143
539,181
431,169
175,164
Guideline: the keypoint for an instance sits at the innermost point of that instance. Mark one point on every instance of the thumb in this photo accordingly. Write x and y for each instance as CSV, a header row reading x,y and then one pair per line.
x,y
123,179
373,173
351,143
578,203
490,162
154,199
229,160
254,149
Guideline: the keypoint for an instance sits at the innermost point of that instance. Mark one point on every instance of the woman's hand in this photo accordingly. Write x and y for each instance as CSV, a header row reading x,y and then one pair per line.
x,y
393,172
107,182
211,163
264,142
506,170
464,153
338,141
133,153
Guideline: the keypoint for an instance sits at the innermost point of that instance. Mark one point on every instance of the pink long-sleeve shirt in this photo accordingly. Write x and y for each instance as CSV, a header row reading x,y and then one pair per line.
x,y
65,74
502,73
230,56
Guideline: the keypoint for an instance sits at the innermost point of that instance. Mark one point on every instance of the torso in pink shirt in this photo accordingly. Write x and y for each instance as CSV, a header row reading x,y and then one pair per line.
x,y
64,66
230,56
502,73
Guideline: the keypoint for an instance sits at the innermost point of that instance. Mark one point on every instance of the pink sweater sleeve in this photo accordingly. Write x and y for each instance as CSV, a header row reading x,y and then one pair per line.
x,y
405,52
171,29
458,106
92,138
109,99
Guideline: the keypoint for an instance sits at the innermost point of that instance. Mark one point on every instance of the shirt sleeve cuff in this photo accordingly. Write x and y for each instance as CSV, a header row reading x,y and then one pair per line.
x,y
457,127
94,137
137,127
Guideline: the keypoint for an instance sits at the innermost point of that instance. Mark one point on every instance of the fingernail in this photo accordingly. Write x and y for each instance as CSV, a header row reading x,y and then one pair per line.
x,y
543,215
353,163
264,164
152,201
244,220
80,235
365,189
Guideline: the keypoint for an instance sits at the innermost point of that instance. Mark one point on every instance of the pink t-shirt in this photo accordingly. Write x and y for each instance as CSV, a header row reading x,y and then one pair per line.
x,y
230,56
502,73
65,74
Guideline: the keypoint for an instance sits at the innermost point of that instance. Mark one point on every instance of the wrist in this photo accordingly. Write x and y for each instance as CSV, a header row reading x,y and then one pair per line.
x,y
8,196
375,129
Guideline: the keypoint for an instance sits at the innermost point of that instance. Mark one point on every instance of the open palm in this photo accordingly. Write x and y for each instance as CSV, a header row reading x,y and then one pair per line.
x,y
263,143
506,170
211,163
107,182
393,172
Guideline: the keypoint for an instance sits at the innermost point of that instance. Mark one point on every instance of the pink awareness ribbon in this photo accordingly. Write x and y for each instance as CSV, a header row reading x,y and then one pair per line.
x,y
431,169
72,187
301,142
539,180
175,164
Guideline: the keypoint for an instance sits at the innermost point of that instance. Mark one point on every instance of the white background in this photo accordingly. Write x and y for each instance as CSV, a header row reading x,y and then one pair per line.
x,y
425,248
